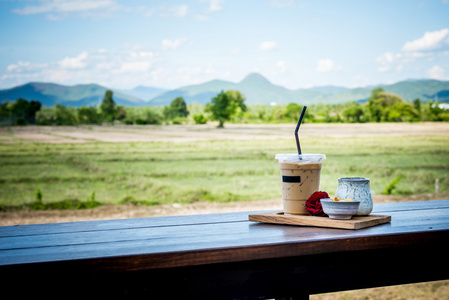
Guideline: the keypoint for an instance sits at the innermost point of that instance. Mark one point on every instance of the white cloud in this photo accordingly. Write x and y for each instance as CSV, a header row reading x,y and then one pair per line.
x,y
19,66
286,4
121,69
436,72
430,41
104,67
194,74
268,45
214,5
135,66
149,12
190,70
280,65
59,8
177,11
146,54
327,65
386,61
387,57
431,46
173,44
77,62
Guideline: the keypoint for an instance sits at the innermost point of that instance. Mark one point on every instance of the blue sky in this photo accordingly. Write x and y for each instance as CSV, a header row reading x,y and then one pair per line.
x,y
169,44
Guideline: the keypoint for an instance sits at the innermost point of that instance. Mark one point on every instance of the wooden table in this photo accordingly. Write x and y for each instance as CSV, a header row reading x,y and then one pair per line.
x,y
223,256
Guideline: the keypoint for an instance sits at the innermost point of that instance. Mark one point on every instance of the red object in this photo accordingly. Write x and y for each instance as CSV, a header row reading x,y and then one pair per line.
x,y
313,204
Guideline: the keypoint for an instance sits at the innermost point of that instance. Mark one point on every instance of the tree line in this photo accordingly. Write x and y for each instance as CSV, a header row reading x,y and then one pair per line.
x,y
226,106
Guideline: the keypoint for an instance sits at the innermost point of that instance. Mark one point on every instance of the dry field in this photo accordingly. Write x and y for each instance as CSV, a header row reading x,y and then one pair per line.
x,y
178,133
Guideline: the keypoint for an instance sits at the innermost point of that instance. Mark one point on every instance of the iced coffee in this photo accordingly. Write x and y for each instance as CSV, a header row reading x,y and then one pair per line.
x,y
300,178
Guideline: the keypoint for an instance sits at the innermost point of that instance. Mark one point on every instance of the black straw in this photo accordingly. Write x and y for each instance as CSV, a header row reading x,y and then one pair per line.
x,y
297,128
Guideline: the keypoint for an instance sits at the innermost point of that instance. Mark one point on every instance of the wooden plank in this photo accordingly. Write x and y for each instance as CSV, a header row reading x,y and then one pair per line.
x,y
219,242
102,225
411,205
213,233
357,222
119,224
198,238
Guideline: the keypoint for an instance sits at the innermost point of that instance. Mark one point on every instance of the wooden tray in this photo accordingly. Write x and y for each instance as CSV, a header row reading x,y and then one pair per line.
x,y
278,217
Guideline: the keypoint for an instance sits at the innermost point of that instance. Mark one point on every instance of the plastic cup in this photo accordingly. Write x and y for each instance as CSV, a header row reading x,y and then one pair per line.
x,y
300,178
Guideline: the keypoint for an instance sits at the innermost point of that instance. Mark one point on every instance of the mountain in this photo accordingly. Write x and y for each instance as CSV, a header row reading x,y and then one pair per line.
x,y
144,93
328,89
201,93
424,89
50,94
259,90
256,89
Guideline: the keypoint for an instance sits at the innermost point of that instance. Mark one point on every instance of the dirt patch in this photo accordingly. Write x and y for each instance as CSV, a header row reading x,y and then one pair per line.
x,y
184,133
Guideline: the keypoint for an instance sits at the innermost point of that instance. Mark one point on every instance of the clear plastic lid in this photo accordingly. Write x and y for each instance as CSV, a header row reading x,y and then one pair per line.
x,y
300,158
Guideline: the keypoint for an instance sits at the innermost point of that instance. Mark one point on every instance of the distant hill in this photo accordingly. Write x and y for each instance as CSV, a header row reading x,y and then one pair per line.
x,y
144,93
50,94
328,89
256,89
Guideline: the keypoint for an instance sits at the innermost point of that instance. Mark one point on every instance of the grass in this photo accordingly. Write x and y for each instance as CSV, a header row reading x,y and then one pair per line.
x,y
219,171
418,291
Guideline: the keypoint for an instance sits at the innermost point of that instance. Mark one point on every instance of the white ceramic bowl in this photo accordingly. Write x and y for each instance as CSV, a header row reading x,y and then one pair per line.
x,y
342,210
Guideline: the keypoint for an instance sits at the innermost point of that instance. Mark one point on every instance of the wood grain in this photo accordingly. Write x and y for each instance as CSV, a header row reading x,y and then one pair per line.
x,y
356,222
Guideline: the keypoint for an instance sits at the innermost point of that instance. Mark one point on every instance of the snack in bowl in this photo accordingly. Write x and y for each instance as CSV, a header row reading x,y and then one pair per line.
x,y
338,199
340,209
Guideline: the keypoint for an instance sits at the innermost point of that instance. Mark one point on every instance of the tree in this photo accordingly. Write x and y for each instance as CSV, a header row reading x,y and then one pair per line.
x,y
108,106
64,115
88,115
225,105
177,108
372,107
24,112
148,117
120,113
292,113
389,107
353,113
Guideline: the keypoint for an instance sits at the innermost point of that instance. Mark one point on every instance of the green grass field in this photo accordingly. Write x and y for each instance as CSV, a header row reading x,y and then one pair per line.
x,y
220,170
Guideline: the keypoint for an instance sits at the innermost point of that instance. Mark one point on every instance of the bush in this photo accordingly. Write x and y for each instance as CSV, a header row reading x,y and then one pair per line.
x,y
88,115
200,119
